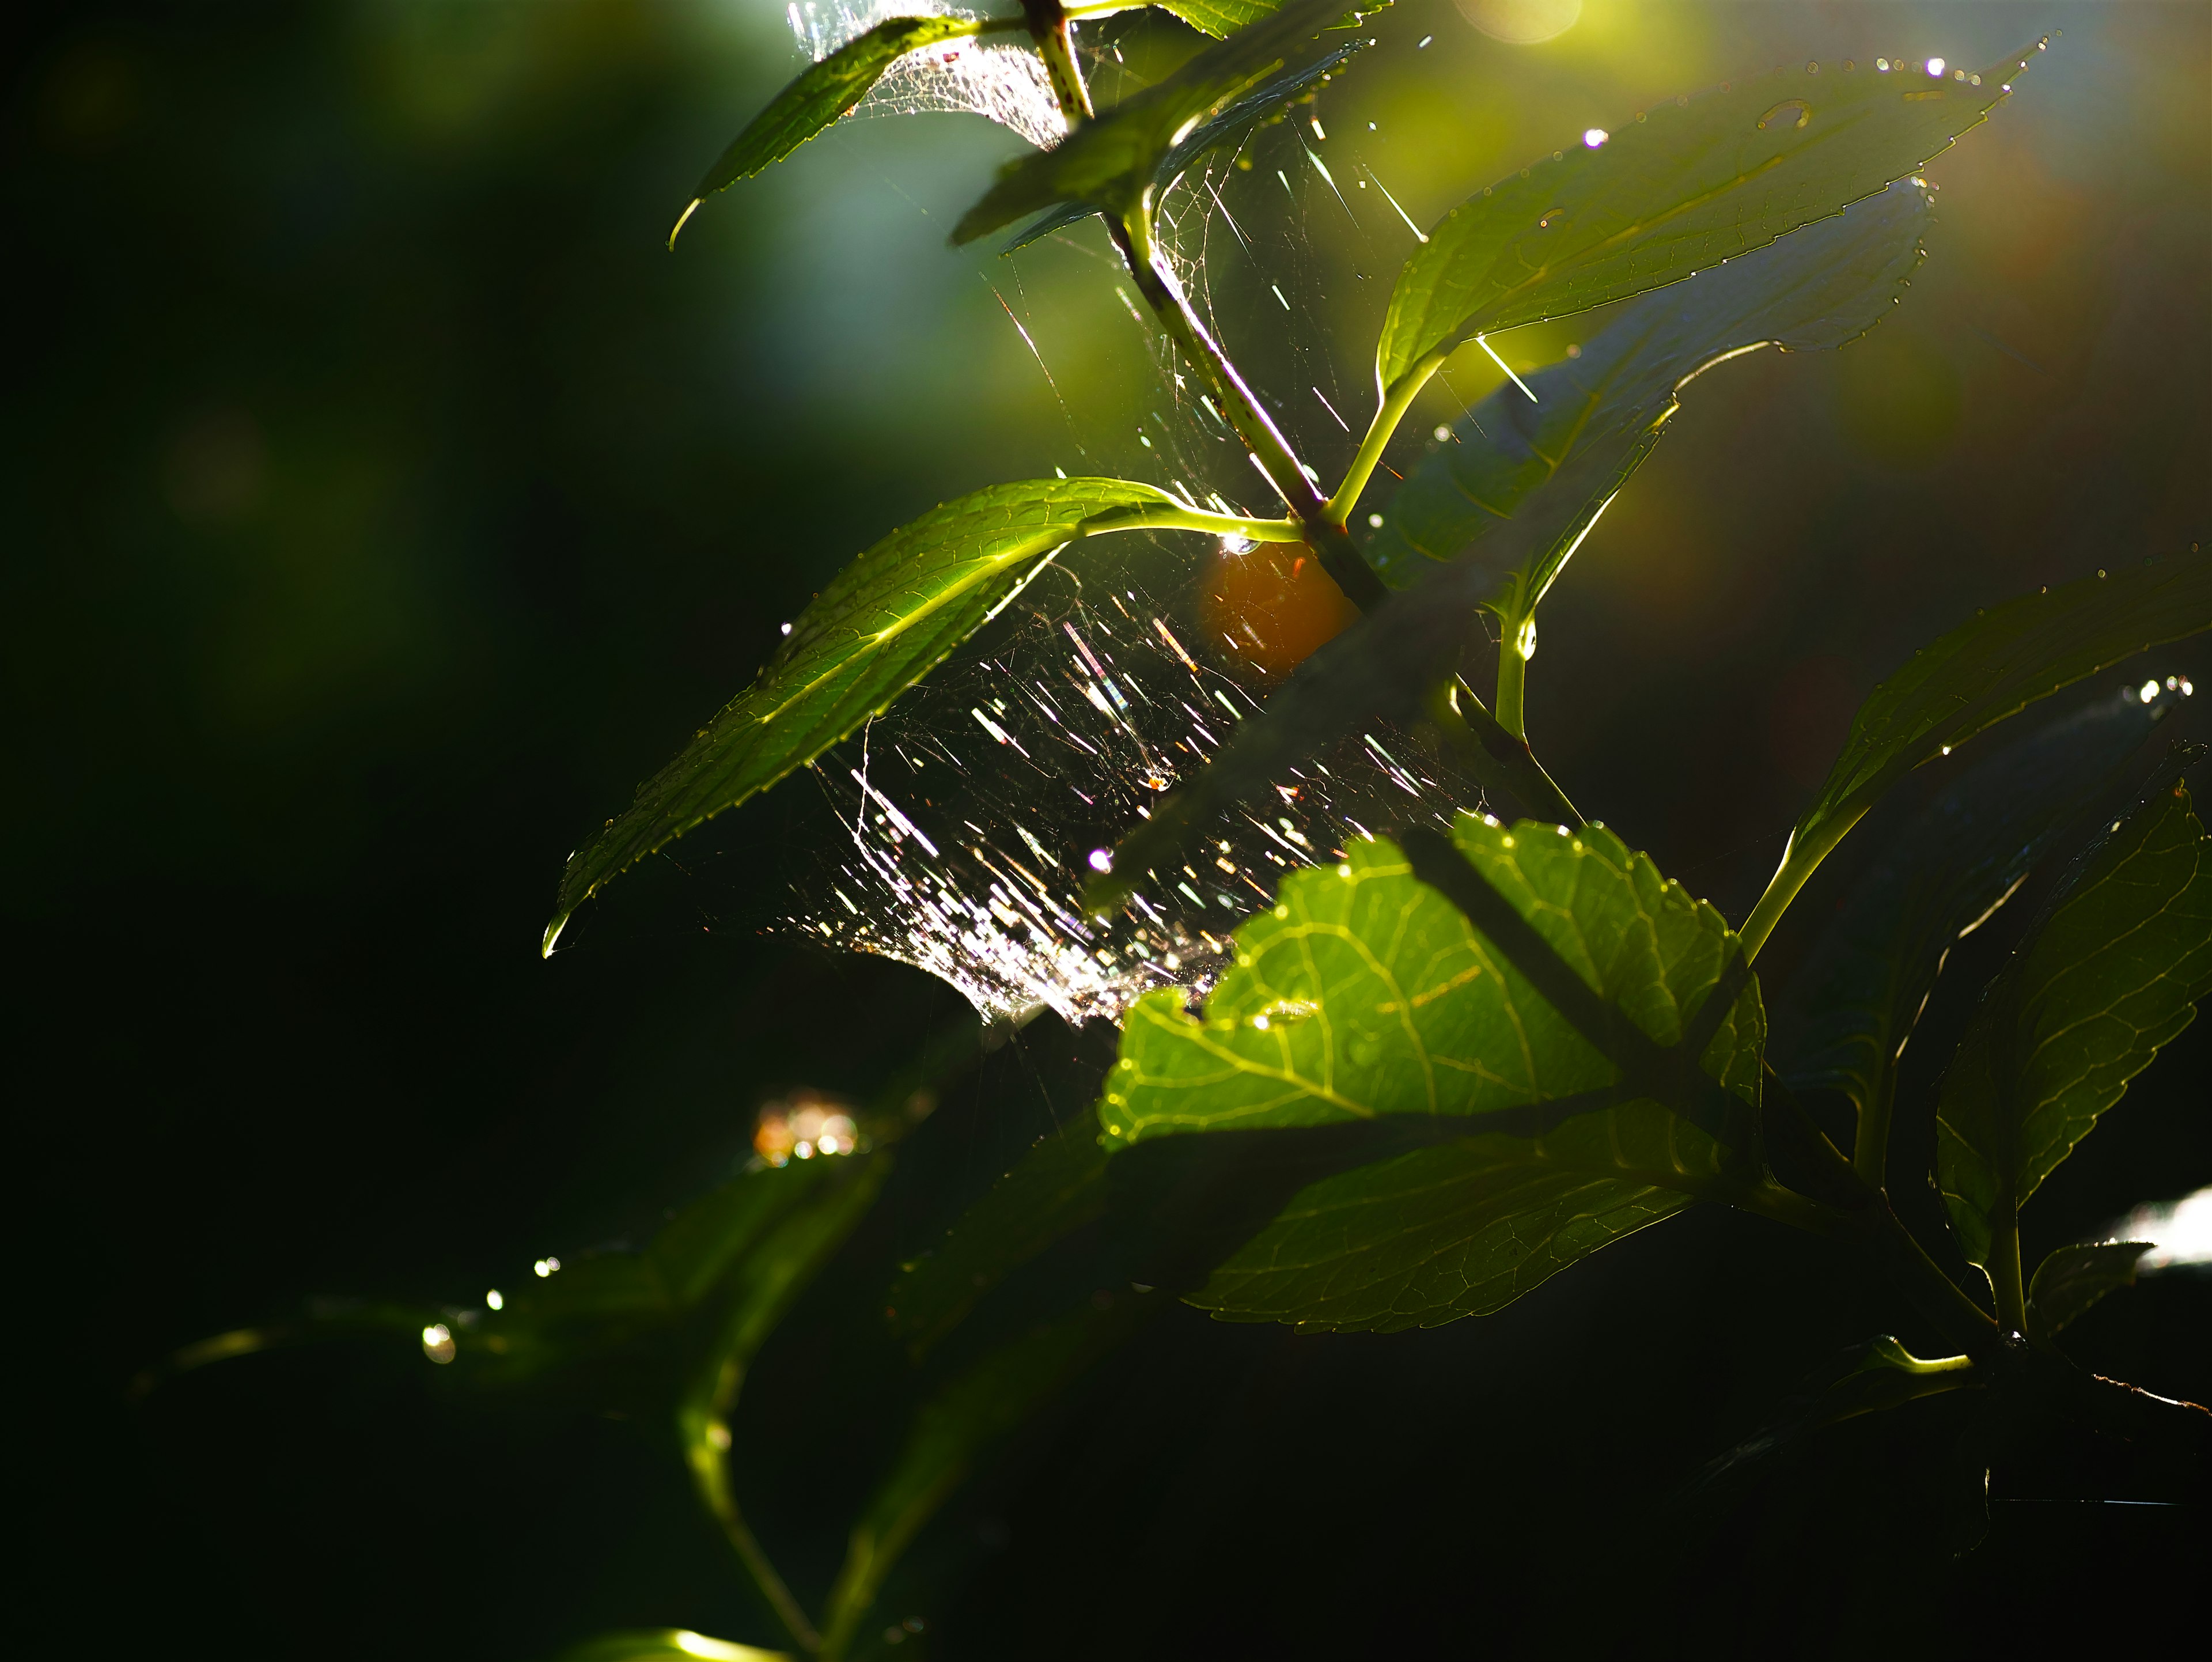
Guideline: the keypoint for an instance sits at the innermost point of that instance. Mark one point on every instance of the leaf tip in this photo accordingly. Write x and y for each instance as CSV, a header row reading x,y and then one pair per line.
x,y
552,934
682,220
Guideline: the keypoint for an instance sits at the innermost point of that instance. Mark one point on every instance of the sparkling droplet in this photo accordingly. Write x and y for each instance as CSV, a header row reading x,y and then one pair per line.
x,y
437,1343
493,1300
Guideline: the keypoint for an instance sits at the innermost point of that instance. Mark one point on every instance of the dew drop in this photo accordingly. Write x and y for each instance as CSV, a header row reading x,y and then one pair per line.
x,y
1550,214
1882,65
1443,436
1935,67
1102,860
1375,520
1812,68
494,1300
437,1343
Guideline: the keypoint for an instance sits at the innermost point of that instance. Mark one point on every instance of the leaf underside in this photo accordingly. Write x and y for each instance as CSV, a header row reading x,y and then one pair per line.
x,y
1111,162
1855,1003
882,623
1684,186
2109,973
2072,1279
1815,288
1364,993
2005,660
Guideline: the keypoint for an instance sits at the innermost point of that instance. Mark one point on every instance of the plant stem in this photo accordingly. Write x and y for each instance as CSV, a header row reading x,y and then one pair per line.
x,y
1870,1144
1499,760
710,1473
1512,683
1325,535
1396,400
1799,862
1047,24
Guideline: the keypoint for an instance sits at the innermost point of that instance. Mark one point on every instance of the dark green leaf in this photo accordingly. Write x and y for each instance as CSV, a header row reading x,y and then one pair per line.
x,y
818,97
1671,193
1867,1378
1942,876
2073,1278
953,1431
2109,973
1112,162
885,621
1996,666
1057,1187
667,1644
1817,287
1366,994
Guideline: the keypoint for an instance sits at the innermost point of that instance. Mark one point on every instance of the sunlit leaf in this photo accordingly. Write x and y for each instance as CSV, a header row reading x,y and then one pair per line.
x,y
1057,1187
1674,192
1365,994
1996,666
824,92
885,621
667,1644
1111,163
1817,287
2073,1278
1857,999
1867,1378
2111,971
1229,125
1221,18
979,1409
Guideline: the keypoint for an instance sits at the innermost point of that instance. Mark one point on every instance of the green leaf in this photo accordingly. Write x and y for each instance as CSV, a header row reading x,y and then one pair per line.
x,y
820,94
2109,972
1867,1378
1112,162
1058,1187
953,1431
1365,993
2071,1279
1232,124
1221,18
667,1644
1995,666
1672,192
1815,288
1857,999
885,621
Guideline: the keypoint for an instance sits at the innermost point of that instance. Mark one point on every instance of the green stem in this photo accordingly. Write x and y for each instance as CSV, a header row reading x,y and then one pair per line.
x,y
1799,862
1325,536
706,1433
1396,401
1512,682
1048,26
1870,1146
1500,761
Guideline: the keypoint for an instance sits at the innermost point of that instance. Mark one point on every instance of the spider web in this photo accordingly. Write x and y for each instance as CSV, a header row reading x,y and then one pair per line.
x,y
972,810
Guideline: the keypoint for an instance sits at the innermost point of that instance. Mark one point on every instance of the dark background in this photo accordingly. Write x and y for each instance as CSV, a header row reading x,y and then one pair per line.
x,y
385,500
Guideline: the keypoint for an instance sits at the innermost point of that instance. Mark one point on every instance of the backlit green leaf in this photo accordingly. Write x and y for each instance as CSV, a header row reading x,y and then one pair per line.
x,y
1858,997
2109,972
819,96
1996,666
2072,1279
885,621
1365,993
1867,1378
1112,162
1817,287
980,1408
1222,18
1672,192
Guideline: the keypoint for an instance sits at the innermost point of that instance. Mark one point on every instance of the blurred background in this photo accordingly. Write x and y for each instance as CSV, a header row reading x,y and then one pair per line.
x,y
388,498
